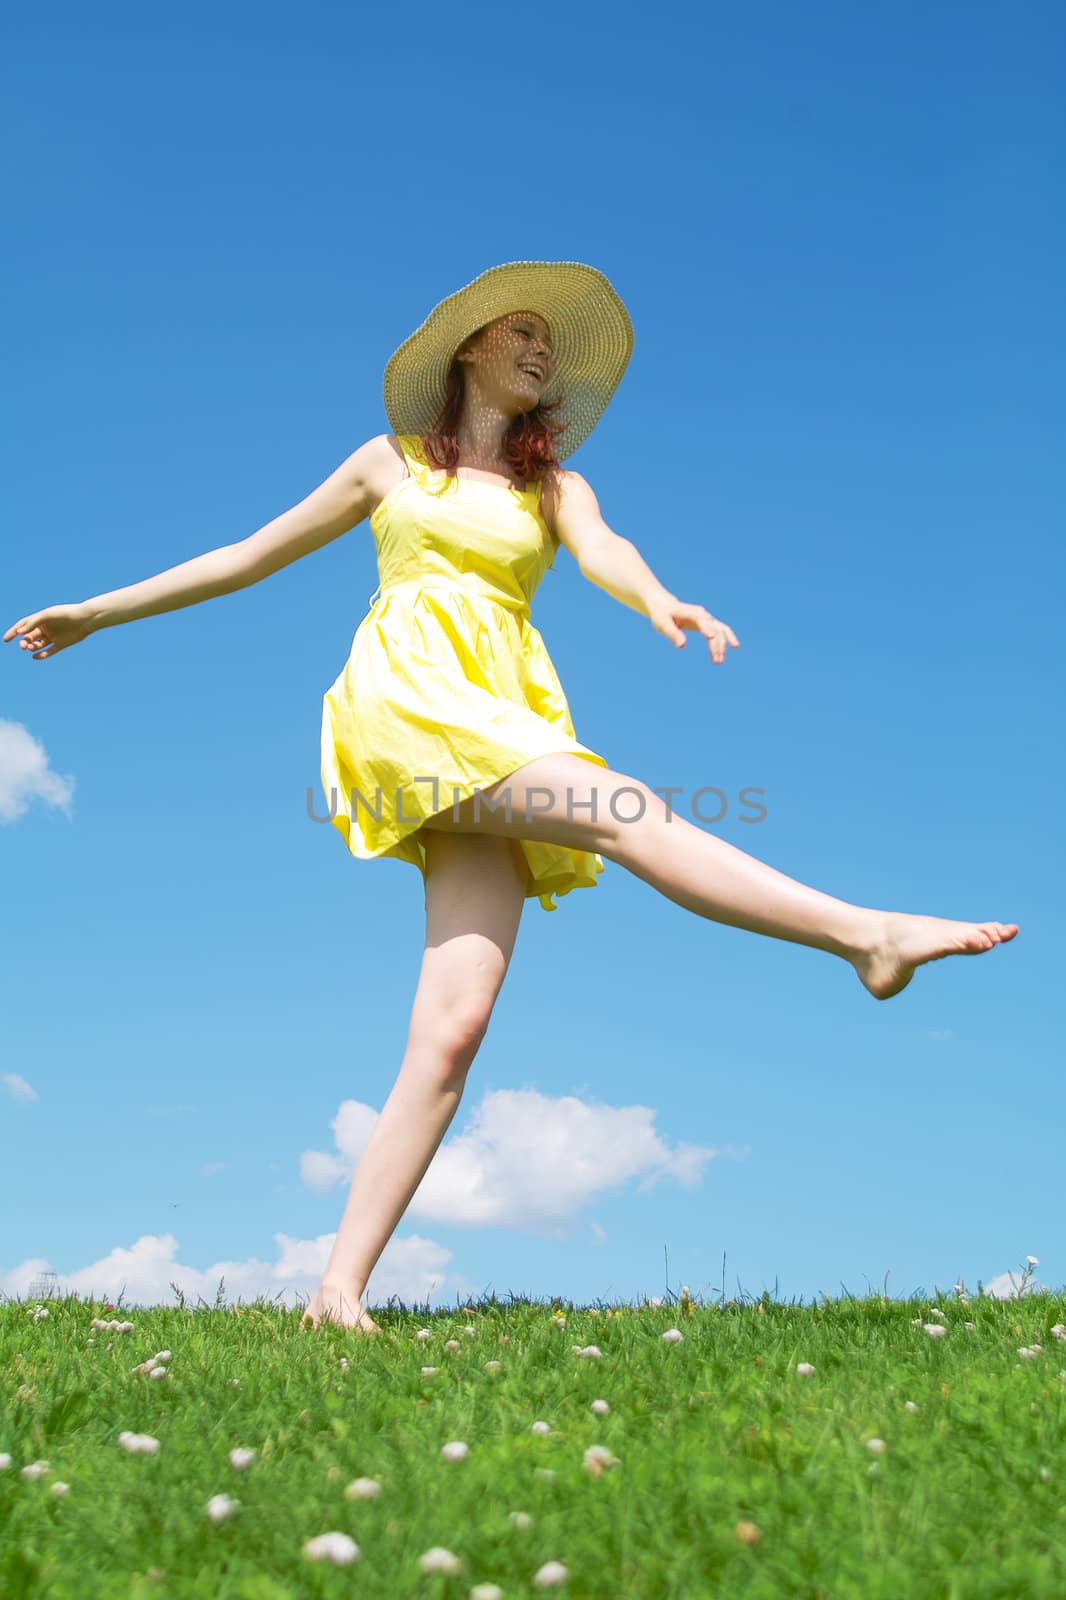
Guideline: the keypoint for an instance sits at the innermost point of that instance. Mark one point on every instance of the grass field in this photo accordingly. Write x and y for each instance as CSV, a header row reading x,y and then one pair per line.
x,y
871,1448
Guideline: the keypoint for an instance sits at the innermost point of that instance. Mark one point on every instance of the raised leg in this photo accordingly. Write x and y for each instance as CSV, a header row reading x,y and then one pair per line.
x,y
475,893
566,800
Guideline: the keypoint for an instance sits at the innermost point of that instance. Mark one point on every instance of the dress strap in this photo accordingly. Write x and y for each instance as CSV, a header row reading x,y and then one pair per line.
x,y
414,455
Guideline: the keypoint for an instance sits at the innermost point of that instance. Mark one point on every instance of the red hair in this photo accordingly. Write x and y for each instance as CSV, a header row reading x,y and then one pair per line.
x,y
528,444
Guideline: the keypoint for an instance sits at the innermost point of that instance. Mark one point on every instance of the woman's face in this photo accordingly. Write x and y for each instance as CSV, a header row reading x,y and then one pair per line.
x,y
499,360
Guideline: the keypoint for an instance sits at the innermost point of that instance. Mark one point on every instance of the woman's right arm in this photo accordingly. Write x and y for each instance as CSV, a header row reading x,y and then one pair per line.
x,y
341,501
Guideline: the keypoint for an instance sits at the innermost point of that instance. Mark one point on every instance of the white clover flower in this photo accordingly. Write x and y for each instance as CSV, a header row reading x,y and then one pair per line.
x,y
42,1311
969,1324
804,1369
344,1363
876,1447
241,1457
363,1489
162,1357
655,1300
455,1451
591,1351
486,1591
935,1311
917,1322
1026,1353
159,1372
221,1506
138,1444
492,1366
335,1547
470,1330
672,1335
540,1427
440,1560
935,1330
550,1576
1059,1330
1033,1262
521,1519
600,1407
423,1333
430,1372
5,1461
58,1489
35,1469
597,1459
909,1405
452,1344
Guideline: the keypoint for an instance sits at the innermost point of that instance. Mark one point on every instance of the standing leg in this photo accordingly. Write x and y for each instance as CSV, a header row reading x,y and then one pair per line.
x,y
563,799
475,893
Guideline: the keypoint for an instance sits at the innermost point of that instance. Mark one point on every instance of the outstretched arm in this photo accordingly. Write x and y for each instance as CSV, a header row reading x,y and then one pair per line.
x,y
336,505
615,565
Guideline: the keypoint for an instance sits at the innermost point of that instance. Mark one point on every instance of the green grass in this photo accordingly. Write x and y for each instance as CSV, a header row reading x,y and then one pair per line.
x,y
967,1499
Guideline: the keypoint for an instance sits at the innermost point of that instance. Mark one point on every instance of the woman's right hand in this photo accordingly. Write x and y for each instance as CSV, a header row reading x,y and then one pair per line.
x,y
46,632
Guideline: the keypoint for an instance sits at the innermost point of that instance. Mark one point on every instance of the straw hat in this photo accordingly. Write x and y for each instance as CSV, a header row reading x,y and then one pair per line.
x,y
591,335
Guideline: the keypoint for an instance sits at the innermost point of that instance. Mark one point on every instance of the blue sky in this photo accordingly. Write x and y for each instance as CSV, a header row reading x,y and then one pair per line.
x,y
841,239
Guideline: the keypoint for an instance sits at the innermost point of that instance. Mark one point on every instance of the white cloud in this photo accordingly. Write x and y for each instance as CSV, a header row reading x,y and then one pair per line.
x,y
1007,1286
18,1088
414,1269
25,774
523,1161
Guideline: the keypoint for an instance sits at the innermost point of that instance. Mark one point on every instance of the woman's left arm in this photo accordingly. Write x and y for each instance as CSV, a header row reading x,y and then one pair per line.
x,y
615,565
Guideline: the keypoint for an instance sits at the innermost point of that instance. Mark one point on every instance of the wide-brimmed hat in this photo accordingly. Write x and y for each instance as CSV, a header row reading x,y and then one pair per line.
x,y
589,328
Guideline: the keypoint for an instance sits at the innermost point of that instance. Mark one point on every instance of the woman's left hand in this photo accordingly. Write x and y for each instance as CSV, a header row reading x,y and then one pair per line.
x,y
669,617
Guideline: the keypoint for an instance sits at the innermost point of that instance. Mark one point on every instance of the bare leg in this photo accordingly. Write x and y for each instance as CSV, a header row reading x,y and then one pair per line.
x,y
475,893
551,799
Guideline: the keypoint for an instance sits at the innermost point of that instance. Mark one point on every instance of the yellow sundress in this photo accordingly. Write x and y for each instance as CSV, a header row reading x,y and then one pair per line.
x,y
447,678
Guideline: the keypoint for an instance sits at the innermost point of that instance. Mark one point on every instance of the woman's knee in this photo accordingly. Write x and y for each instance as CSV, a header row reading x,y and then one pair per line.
x,y
449,1032
475,893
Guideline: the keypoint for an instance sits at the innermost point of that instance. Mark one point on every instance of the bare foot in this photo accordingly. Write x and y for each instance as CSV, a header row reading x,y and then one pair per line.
x,y
337,1304
903,942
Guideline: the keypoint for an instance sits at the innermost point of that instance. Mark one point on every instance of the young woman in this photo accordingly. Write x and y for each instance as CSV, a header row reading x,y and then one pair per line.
x,y
447,739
